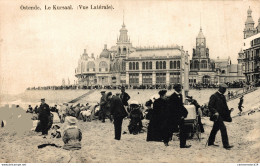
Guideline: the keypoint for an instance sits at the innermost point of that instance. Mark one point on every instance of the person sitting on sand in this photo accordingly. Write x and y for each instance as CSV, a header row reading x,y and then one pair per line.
x,y
30,109
72,135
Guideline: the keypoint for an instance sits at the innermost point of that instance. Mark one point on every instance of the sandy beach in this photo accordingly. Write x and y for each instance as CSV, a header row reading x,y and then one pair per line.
x,y
98,145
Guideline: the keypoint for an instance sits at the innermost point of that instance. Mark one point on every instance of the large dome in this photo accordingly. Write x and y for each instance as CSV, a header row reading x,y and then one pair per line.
x,y
105,53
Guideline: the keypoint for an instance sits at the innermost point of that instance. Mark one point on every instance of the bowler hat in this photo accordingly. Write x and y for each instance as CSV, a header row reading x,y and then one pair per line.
x,y
43,99
223,85
103,91
162,92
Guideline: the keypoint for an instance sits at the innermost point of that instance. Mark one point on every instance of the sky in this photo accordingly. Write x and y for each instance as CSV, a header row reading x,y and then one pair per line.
x,y
41,47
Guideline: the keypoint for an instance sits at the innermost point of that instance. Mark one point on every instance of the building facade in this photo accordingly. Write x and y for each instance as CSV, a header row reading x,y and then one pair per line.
x,y
205,70
124,64
250,54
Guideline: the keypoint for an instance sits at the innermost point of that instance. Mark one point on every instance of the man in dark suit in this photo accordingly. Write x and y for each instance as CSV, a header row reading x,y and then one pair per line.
x,y
175,117
219,113
44,117
124,96
118,111
103,102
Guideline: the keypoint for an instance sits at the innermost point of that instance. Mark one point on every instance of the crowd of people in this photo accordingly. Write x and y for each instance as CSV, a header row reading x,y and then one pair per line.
x,y
166,116
234,84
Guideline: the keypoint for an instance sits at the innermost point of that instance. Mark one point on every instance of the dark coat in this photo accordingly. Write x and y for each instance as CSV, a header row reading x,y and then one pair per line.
x,y
157,118
175,112
176,109
117,108
218,103
124,97
44,111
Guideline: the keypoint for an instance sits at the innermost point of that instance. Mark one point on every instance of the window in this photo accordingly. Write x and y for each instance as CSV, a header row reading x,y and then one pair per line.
x,y
203,64
175,65
171,65
130,66
133,78
157,65
133,65
196,64
137,65
147,78
150,65
164,65
175,77
143,65
146,64
178,64
160,65
160,78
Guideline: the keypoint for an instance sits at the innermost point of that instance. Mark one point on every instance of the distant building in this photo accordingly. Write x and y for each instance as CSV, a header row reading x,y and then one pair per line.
x,y
250,54
211,71
124,64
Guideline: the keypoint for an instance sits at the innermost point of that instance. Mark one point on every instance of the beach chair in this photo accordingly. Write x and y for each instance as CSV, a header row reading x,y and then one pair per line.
x,y
191,125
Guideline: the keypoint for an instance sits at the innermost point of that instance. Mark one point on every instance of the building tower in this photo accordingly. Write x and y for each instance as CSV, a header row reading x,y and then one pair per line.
x,y
249,29
123,43
200,57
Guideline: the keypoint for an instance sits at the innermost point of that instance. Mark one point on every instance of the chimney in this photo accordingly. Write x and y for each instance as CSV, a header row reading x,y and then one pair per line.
x,y
105,47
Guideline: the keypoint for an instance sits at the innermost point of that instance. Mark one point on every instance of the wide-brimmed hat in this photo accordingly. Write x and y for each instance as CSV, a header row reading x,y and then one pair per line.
x,y
71,120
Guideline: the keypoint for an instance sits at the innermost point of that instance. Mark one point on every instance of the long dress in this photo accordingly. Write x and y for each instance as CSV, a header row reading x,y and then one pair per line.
x,y
154,132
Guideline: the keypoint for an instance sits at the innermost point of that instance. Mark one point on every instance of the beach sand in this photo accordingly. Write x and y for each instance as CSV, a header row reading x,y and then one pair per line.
x,y
99,146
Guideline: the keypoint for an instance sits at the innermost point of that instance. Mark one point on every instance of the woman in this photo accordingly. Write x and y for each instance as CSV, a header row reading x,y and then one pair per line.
x,y
154,132
72,135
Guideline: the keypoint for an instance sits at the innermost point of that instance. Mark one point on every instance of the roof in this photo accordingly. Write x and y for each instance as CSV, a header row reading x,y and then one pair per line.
x,y
200,35
158,52
105,54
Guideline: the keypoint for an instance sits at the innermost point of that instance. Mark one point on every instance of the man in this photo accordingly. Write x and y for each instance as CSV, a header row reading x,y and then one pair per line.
x,y
118,112
103,102
124,96
175,117
219,113
240,105
44,117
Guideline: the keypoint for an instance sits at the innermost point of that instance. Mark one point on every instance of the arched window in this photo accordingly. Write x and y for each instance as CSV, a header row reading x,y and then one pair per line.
x,y
203,64
133,65
157,65
171,65
164,65
160,64
103,66
191,63
143,65
178,64
91,66
147,67
119,50
196,64
175,65
124,50
150,65
137,65
123,65
130,66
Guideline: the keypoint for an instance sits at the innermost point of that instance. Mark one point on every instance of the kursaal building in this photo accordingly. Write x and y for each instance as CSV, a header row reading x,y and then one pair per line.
x,y
124,64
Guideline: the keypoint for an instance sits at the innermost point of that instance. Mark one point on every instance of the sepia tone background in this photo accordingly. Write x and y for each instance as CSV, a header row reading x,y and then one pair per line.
x,y
40,48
